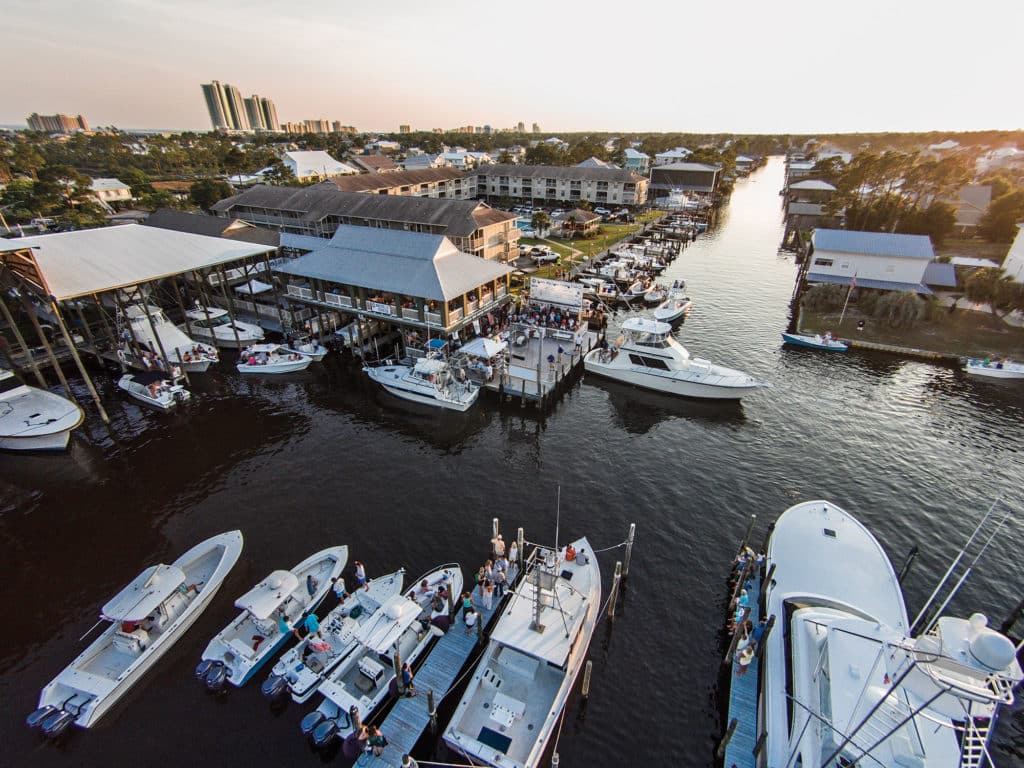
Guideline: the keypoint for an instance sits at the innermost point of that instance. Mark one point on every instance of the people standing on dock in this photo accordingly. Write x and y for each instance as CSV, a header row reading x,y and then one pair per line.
x,y
407,679
499,547
487,589
338,585
513,555
499,580
470,618
375,740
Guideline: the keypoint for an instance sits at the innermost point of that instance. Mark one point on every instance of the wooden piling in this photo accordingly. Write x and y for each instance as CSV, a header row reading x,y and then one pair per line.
x,y
764,636
78,361
31,312
115,343
613,597
231,305
159,341
720,753
88,333
432,711
521,553
357,721
396,661
629,549
587,670
746,536
21,341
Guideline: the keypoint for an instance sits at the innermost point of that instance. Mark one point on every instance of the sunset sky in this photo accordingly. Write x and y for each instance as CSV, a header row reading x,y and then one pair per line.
x,y
797,67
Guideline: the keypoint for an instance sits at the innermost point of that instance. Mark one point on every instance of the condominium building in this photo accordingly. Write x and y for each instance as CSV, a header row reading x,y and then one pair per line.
x,y
57,123
554,183
317,126
319,210
226,107
447,183
262,114
405,129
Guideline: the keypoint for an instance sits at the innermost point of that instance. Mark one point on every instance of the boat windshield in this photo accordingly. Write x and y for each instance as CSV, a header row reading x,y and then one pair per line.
x,y
213,322
643,339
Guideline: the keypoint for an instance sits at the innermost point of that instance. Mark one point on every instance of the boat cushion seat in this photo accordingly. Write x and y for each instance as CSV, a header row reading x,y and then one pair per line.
x,y
240,648
132,643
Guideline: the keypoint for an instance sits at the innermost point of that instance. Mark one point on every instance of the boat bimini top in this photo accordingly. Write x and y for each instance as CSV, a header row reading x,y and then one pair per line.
x,y
145,594
262,600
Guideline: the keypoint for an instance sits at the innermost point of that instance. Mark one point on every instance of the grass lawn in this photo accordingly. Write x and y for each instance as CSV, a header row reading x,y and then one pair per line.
x,y
975,247
965,333
610,235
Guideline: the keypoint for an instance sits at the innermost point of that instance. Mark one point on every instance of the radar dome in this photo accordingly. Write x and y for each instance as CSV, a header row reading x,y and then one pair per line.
x,y
992,650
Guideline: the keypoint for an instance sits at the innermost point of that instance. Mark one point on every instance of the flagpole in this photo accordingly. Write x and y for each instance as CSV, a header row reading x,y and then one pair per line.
x,y
853,284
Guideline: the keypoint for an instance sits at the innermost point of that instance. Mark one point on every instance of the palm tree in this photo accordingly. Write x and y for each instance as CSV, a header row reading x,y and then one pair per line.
x,y
540,221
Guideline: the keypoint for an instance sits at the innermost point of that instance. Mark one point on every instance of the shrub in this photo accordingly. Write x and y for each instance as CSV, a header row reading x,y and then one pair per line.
x,y
900,309
824,297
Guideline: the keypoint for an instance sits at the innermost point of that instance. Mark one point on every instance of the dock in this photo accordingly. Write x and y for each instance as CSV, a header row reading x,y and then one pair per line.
x,y
530,376
739,753
409,717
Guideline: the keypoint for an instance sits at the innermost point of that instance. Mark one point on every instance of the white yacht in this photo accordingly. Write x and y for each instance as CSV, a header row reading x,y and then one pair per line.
x,y
192,356
995,369
675,306
303,668
310,347
401,632
215,325
146,618
271,358
241,648
844,682
429,381
647,356
521,684
33,419
154,388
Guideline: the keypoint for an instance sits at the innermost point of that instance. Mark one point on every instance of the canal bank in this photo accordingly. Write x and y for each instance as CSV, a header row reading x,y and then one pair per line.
x,y
319,458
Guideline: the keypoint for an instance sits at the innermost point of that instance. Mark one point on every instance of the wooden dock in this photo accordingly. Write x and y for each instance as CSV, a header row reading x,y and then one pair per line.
x,y
409,717
530,376
739,753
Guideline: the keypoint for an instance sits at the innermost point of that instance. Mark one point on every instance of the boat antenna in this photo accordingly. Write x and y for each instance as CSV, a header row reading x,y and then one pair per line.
x,y
952,566
558,510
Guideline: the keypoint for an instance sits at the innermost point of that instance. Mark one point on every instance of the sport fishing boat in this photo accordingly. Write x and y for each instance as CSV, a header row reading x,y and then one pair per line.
x,y
647,356
995,369
402,630
303,668
656,294
146,618
817,341
846,681
429,381
33,419
192,356
521,684
242,647
310,347
154,388
215,325
676,305
272,358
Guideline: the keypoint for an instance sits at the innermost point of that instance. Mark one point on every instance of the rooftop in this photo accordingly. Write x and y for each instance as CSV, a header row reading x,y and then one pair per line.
x,y
212,226
568,173
374,163
873,243
316,163
704,167
815,184
406,263
105,185
372,182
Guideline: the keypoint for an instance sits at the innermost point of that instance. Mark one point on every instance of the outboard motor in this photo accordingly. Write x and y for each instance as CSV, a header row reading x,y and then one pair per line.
x,y
203,667
324,732
36,718
216,676
274,686
311,721
56,723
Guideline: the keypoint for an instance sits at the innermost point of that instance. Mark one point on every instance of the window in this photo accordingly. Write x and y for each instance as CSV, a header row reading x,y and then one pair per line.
x,y
648,362
823,262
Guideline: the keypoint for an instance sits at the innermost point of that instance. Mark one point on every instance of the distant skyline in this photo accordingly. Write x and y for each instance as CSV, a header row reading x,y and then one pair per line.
x,y
735,67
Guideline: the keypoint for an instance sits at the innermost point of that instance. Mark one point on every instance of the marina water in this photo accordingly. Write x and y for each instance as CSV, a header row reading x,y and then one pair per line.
x,y
916,451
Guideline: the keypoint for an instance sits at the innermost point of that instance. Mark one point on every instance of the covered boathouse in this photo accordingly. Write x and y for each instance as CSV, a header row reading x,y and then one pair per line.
x,y
410,279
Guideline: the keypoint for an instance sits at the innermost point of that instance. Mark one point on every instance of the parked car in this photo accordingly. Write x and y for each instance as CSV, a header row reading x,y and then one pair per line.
x,y
602,212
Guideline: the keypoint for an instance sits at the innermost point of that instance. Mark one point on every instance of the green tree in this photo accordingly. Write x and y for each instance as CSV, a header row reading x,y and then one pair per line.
x,y
280,174
900,309
540,221
999,224
206,192
990,286
937,221
505,157
26,159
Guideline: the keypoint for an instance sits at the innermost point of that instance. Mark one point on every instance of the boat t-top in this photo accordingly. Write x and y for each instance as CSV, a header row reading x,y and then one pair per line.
x,y
429,381
845,681
824,341
33,419
272,358
520,686
402,629
215,324
241,648
192,356
995,369
647,356
146,618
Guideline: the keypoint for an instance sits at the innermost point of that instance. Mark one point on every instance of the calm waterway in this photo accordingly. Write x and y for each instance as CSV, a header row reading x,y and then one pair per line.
x,y
915,450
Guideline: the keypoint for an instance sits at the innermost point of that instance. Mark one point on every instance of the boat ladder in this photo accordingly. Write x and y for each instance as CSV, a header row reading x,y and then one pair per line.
x,y
973,746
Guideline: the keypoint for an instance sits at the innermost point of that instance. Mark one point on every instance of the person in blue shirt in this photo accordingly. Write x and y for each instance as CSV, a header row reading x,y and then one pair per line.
x,y
282,624
312,624
759,631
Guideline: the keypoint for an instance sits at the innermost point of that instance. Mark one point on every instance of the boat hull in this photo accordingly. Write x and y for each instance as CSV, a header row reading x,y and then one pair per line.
x,y
392,379
415,397
799,340
290,366
56,441
667,383
1011,371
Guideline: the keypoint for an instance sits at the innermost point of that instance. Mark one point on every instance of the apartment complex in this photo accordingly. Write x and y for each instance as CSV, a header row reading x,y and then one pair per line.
x,y
226,106
441,183
552,183
262,114
319,210
57,123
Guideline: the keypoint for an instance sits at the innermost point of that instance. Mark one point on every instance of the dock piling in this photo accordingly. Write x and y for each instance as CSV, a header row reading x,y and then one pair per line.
x,y
613,597
432,710
357,721
21,342
31,312
764,637
396,661
587,671
720,752
629,549
78,361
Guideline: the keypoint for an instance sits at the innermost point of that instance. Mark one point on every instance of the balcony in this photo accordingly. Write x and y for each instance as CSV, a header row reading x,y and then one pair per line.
x,y
471,306
380,308
337,300
299,292
454,315
486,298
410,314
434,318
502,291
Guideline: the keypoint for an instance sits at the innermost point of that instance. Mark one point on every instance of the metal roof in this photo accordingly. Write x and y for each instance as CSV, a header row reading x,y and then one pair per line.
x,y
408,263
88,261
634,154
865,282
940,275
817,184
873,243
566,173
107,185
687,167
315,162
211,226
373,182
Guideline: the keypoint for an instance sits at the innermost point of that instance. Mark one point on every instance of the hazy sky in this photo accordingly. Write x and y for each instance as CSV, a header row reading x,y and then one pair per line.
x,y
764,67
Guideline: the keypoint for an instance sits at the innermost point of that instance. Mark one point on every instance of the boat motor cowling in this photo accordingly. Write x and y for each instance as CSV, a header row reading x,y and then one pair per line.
x,y
216,676
36,718
56,723
274,686
311,721
324,732
203,667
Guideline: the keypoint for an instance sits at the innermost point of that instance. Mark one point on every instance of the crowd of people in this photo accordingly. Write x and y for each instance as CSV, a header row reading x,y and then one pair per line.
x,y
746,567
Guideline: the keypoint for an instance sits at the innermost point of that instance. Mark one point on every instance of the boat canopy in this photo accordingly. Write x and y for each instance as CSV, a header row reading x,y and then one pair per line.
x,y
394,617
646,325
200,313
144,595
430,365
484,347
263,599
436,344
253,287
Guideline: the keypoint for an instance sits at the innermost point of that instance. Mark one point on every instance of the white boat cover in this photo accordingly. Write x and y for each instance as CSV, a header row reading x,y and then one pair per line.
x,y
646,325
396,614
430,365
263,599
484,347
253,287
144,595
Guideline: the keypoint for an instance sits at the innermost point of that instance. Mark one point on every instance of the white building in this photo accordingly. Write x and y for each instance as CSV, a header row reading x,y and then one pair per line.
x,y
315,164
669,156
878,259
1013,264
637,161
110,192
